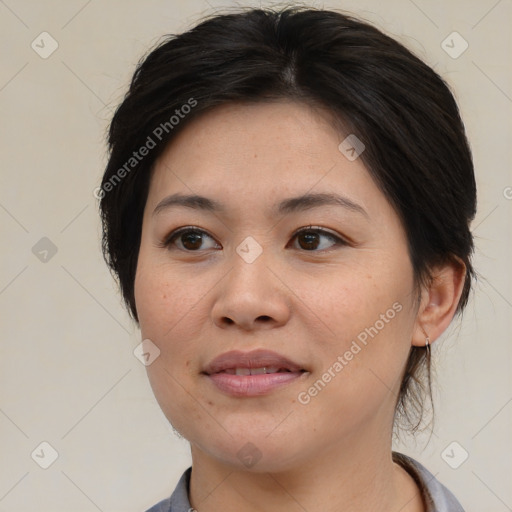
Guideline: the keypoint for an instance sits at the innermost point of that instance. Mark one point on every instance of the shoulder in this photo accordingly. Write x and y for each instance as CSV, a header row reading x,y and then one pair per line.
x,y
162,506
178,501
436,496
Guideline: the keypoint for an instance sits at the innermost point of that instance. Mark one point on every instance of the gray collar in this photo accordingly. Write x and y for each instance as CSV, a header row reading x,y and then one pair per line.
x,y
436,497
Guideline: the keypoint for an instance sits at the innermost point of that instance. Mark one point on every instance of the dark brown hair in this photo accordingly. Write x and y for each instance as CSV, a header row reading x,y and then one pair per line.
x,y
402,110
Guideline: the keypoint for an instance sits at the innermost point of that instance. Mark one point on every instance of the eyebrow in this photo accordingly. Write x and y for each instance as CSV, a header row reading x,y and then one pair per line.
x,y
284,207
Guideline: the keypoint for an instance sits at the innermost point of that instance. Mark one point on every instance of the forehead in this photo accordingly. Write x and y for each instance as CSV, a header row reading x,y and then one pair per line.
x,y
261,152
255,130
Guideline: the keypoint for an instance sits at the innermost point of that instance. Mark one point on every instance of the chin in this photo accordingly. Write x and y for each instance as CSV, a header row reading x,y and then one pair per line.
x,y
255,452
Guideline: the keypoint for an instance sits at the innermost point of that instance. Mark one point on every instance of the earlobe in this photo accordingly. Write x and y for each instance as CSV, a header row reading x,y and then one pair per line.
x,y
439,302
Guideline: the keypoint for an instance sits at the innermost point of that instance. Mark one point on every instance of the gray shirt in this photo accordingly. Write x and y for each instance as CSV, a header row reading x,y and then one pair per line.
x,y
436,496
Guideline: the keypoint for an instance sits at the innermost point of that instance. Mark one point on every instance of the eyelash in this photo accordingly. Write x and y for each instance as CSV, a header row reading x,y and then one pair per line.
x,y
169,240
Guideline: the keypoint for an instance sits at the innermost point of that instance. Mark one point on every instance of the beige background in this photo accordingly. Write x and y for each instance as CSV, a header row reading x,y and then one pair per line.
x,y
68,375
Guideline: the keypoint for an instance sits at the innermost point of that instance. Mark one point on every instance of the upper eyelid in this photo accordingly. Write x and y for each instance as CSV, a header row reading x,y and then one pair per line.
x,y
324,231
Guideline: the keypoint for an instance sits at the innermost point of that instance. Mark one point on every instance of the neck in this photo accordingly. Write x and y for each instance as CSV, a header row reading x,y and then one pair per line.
x,y
350,477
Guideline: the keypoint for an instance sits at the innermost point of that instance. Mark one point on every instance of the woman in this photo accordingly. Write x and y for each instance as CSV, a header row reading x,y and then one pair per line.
x,y
287,206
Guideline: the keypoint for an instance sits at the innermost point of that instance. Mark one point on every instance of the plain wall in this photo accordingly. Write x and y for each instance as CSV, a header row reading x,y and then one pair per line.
x,y
68,375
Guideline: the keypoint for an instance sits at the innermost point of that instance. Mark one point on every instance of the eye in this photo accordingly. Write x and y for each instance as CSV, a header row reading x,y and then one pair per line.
x,y
190,239
309,238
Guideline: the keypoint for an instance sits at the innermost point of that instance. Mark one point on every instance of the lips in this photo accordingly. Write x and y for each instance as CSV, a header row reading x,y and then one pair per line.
x,y
254,371
250,374
254,363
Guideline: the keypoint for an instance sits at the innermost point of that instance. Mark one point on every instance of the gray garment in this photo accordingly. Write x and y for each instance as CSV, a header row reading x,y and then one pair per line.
x,y
436,496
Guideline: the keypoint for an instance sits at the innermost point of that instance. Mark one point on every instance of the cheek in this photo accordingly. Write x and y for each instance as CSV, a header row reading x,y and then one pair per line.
x,y
370,315
165,310
164,300
152,300
171,313
166,317
354,300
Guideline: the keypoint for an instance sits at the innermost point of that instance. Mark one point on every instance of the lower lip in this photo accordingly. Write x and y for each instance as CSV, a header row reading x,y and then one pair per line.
x,y
252,385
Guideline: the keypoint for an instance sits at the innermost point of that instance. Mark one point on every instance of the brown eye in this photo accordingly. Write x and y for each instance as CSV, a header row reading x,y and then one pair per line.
x,y
310,239
188,239
193,240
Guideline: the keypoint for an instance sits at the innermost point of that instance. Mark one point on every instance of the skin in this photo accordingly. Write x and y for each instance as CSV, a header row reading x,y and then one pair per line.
x,y
334,453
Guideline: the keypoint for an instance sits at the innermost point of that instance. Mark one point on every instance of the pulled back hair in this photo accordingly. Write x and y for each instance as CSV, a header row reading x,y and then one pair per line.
x,y
416,148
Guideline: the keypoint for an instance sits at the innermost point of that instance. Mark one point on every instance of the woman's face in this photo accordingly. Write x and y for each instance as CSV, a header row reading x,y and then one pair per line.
x,y
336,299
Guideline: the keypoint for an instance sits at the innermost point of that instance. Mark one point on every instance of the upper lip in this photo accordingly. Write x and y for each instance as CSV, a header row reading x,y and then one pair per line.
x,y
253,359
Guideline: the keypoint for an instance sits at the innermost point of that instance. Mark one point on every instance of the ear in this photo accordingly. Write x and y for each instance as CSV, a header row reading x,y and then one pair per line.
x,y
439,301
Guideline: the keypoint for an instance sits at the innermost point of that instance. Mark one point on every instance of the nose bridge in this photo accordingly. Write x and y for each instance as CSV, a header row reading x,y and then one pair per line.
x,y
250,266
251,291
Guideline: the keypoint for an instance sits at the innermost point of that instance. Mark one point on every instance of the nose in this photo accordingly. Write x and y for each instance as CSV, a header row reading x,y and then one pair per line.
x,y
252,296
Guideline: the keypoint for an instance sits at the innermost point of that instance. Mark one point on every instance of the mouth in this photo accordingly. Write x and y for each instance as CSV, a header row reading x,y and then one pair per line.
x,y
256,373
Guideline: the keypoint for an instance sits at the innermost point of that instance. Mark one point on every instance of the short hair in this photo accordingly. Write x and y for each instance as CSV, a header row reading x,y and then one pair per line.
x,y
416,149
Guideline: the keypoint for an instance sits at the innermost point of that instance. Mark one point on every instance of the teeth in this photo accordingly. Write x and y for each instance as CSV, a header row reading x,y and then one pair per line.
x,y
266,369
253,371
